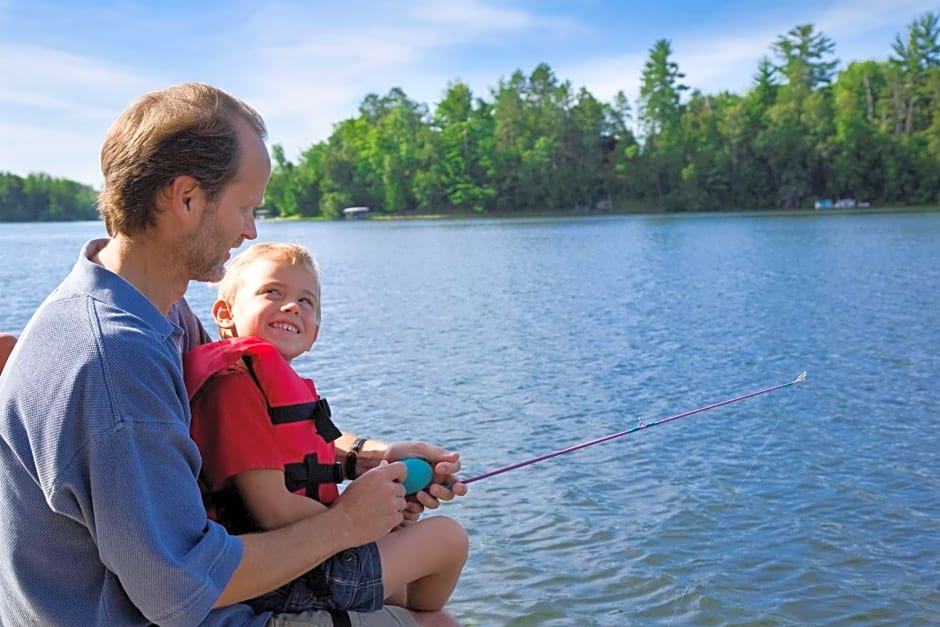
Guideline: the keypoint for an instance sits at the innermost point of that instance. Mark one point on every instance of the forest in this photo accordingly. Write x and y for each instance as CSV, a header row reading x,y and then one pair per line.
x,y
807,129
41,198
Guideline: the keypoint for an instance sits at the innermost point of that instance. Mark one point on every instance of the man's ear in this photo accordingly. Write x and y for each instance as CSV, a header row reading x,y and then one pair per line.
x,y
184,197
222,314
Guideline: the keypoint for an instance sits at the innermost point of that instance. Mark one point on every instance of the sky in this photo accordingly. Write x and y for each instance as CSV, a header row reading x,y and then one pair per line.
x,y
68,68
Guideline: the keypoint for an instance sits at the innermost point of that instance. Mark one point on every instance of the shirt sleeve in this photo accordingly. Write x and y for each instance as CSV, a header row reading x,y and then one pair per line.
x,y
232,428
134,487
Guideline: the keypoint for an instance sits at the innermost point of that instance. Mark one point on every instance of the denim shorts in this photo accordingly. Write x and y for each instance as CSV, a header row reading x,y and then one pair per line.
x,y
350,580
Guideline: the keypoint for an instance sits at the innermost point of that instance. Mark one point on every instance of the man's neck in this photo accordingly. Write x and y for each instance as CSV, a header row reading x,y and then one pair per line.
x,y
148,266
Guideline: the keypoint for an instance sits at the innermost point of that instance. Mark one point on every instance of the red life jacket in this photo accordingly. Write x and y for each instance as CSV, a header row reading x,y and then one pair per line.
x,y
302,421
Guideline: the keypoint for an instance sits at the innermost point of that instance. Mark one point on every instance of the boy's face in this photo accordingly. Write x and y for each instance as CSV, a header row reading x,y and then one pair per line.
x,y
276,302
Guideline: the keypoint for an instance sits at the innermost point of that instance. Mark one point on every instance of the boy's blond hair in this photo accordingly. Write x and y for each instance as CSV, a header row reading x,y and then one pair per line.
x,y
292,254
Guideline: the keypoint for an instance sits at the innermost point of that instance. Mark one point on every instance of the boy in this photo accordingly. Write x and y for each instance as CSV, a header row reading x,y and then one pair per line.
x,y
269,446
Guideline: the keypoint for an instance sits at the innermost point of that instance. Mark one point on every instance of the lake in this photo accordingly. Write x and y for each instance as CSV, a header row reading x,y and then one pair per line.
x,y
507,339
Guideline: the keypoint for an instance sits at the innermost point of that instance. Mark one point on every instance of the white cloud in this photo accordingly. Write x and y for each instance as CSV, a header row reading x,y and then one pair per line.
x,y
59,151
472,15
605,76
306,66
861,17
73,85
57,108
304,76
714,60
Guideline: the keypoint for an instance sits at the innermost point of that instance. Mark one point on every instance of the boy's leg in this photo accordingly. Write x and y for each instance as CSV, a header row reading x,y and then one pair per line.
x,y
388,616
426,558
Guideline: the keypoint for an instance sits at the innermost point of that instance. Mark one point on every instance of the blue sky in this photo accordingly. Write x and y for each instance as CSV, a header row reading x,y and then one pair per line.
x,y
68,68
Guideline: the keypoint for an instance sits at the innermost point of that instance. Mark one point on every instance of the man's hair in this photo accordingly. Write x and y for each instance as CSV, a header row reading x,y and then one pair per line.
x,y
292,254
189,129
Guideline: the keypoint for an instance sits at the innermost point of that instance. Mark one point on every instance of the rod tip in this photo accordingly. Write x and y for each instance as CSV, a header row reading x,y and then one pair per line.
x,y
801,378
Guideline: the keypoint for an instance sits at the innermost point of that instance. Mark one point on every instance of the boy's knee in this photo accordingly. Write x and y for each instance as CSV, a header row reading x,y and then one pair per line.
x,y
453,533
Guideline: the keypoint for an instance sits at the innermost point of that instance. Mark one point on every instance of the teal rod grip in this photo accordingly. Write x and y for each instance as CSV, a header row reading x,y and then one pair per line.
x,y
419,475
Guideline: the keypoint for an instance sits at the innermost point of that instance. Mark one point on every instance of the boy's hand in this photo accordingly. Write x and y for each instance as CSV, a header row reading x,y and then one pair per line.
x,y
411,514
444,484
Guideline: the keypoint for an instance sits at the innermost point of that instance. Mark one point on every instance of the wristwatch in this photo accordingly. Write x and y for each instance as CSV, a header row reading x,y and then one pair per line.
x,y
352,457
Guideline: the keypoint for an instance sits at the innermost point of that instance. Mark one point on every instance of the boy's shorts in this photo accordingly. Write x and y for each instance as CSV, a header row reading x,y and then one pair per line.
x,y
350,580
388,616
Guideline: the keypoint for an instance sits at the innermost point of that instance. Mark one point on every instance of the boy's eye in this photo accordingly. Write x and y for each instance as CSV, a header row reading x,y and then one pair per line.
x,y
272,290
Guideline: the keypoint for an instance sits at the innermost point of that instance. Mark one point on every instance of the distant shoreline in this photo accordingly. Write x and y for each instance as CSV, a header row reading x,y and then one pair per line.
x,y
572,214
600,214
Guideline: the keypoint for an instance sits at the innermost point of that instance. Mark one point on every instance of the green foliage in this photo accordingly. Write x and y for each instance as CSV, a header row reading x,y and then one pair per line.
x,y
805,130
40,198
802,132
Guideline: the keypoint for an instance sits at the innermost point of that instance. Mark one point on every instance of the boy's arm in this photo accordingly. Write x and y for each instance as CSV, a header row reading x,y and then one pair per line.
x,y
271,504
368,509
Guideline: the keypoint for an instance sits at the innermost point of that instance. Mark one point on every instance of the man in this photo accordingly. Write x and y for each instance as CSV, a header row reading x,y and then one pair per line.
x,y
101,518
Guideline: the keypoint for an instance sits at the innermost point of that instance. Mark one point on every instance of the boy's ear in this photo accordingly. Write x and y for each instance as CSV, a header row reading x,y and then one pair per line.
x,y
223,315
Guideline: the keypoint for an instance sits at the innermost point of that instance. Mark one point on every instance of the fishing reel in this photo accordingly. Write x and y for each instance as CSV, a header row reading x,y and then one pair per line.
x,y
419,475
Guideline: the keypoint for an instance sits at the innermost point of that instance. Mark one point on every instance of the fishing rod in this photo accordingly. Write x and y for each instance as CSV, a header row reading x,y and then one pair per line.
x,y
420,472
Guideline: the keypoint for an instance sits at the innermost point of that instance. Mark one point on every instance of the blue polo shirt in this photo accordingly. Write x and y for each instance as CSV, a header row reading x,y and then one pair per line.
x,y
101,518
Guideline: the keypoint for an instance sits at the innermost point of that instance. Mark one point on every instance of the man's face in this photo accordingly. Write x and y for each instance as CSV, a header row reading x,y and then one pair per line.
x,y
229,221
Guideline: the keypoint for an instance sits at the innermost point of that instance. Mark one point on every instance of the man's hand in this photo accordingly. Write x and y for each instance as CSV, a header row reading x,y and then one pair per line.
x,y
374,503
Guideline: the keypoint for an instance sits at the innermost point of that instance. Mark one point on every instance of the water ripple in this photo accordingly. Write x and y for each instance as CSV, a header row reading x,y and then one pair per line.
x,y
509,339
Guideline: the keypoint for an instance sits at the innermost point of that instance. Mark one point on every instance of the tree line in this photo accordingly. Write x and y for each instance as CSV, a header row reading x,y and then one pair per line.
x,y
803,131
41,198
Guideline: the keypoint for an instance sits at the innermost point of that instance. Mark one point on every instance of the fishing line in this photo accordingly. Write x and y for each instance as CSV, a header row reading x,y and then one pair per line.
x,y
419,471
640,426
733,498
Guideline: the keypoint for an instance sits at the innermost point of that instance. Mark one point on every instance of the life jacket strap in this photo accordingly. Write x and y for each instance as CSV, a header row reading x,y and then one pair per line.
x,y
319,412
309,474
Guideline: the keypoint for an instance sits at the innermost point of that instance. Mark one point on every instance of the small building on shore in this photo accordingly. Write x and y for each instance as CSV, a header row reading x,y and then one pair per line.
x,y
356,213
842,203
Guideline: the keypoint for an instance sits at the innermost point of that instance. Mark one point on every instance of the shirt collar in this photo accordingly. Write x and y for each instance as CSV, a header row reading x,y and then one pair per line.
x,y
88,277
